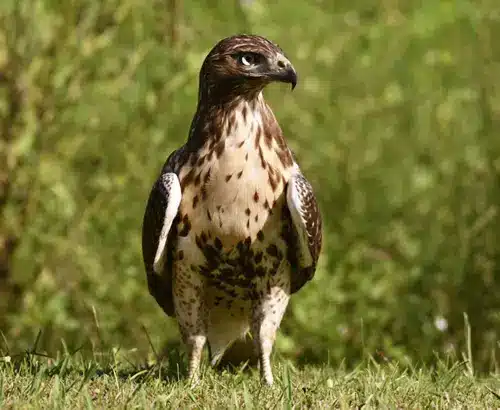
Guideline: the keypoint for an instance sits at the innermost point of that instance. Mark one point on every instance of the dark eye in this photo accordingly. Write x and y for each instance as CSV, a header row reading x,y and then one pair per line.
x,y
248,59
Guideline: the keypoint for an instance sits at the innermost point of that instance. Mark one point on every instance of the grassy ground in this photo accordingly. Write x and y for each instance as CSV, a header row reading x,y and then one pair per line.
x,y
113,381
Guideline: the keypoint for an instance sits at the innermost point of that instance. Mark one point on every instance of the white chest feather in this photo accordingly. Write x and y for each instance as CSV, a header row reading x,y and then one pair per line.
x,y
239,183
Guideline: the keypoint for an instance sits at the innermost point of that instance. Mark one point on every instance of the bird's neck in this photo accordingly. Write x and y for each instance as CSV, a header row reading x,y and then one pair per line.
x,y
239,118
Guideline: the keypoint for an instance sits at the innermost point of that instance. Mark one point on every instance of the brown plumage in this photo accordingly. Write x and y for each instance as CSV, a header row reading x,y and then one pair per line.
x,y
232,227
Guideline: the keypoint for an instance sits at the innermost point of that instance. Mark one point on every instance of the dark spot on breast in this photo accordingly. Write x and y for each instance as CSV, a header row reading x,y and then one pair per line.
x,y
268,137
203,237
197,180
228,177
199,244
212,143
187,179
257,218
213,257
180,255
209,216
256,196
285,157
246,156
207,176
248,223
239,174
195,201
193,159
272,250
262,159
258,136
266,205
203,193
218,243
225,273
247,211
260,235
241,144
244,112
244,252
201,160
258,257
260,271
219,149
232,262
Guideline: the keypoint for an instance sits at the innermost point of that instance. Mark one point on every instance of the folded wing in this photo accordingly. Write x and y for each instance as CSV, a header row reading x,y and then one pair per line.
x,y
306,226
158,235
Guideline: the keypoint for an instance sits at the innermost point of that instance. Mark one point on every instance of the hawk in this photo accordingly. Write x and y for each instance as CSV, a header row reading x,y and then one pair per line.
x,y
232,227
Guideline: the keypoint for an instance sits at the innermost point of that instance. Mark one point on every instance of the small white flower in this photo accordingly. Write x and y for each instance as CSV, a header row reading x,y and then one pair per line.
x,y
441,323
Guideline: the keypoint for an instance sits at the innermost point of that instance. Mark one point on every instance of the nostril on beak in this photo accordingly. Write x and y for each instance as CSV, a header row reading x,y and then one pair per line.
x,y
281,64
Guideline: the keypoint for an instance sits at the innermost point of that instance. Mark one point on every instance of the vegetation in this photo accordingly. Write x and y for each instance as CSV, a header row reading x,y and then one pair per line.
x,y
395,121
113,382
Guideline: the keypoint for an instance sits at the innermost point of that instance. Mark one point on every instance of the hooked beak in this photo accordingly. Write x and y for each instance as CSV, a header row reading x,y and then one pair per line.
x,y
283,71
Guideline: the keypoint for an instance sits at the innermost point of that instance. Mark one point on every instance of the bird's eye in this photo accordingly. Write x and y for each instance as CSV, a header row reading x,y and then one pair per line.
x,y
248,59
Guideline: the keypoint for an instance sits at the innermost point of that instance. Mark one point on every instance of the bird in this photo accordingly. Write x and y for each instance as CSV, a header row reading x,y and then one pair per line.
x,y
232,227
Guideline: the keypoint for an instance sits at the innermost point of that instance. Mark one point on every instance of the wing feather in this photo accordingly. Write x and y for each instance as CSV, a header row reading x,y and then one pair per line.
x,y
307,230
158,235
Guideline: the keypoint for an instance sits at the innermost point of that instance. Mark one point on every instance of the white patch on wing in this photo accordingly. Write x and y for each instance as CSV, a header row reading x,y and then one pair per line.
x,y
294,197
171,184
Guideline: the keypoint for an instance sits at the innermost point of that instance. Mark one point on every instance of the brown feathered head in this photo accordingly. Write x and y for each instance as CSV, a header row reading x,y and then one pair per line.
x,y
243,65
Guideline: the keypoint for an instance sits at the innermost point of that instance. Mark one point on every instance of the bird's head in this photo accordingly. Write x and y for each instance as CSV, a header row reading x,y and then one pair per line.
x,y
243,65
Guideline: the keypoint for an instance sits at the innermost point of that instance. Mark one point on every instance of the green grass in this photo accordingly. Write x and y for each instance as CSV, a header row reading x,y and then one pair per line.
x,y
117,380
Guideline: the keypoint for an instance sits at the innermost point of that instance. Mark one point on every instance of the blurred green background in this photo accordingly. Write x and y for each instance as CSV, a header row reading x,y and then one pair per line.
x,y
395,121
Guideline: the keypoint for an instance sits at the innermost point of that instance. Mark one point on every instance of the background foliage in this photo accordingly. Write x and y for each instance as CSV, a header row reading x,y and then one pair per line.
x,y
395,121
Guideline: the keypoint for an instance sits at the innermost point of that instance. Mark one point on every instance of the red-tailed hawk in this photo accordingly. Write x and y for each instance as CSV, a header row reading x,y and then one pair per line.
x,y
232,227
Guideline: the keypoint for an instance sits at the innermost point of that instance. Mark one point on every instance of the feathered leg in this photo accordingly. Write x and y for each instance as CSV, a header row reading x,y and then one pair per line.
x,y
266,318
195,345
191,315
